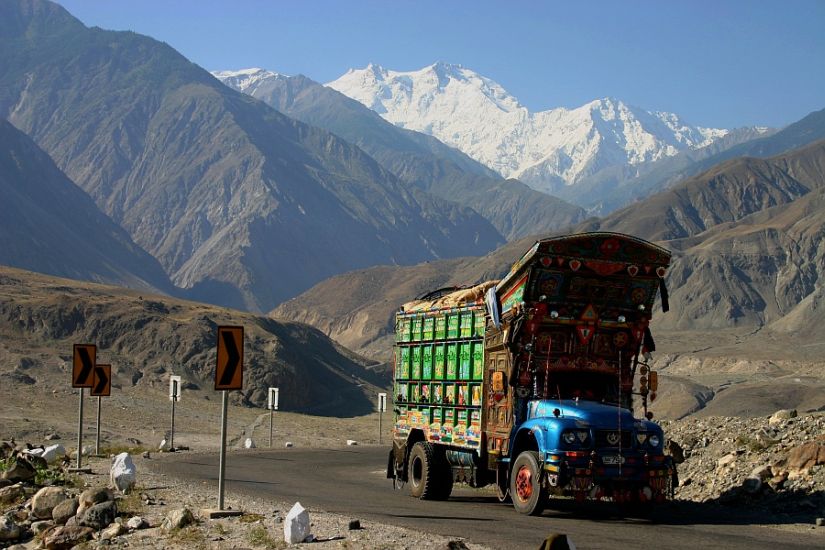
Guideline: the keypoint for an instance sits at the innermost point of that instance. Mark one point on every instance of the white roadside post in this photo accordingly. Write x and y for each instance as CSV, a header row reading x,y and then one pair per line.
x,y
174,396
272,405
382,408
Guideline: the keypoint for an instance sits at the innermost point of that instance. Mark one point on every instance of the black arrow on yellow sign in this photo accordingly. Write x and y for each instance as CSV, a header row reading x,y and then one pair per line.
x,y
83,362
229,370
102,381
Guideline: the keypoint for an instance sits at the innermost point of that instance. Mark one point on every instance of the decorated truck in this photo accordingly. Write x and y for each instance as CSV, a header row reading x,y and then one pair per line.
x,y
531,383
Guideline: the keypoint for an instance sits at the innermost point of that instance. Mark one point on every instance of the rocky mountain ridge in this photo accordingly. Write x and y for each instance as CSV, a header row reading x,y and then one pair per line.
x,y
547,150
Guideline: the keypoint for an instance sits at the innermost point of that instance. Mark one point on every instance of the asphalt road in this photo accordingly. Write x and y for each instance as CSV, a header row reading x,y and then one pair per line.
x,y
352,482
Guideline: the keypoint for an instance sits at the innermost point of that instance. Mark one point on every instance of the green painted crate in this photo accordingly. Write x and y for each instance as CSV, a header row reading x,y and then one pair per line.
x,y
403,366
466,324
478,360
452,361
437,393
438,361
417,324
415,368
427,363
465,359
479,323
428,329
441,327
415,394
403,329
452,325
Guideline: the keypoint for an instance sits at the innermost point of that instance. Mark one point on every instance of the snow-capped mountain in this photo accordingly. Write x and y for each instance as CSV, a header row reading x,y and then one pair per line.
x,y
546,149
248,81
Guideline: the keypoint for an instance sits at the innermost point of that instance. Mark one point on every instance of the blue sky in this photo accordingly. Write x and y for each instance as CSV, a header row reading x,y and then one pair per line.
x,y
716,63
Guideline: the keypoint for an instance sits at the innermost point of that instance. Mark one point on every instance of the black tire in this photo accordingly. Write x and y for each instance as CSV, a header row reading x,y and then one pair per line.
x,y
423,475
529,497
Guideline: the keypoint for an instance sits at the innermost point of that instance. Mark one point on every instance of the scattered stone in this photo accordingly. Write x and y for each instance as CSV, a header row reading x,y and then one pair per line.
x,y
726,461
134,441
805,456
41,526
249,444
45,501
21,470
164,446
288,444
114,530
65,510
9,530
10,494
781,416
90,497
147,454
67,537
123,473
354,524
351,442
99,515
137,522
675,450
752,485
296,526
51,437
177,519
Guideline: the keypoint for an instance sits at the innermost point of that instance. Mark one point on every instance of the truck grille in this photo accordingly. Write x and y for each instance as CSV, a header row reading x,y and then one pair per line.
x,y
610,438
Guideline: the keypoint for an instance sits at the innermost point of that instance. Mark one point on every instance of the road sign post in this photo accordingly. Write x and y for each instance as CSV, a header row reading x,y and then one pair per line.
x,y
382,407
174,395
84,357
272,405
101,387
228,376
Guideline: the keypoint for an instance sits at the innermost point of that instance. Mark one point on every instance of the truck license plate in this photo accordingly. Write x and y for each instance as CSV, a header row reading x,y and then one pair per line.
x,y
613,460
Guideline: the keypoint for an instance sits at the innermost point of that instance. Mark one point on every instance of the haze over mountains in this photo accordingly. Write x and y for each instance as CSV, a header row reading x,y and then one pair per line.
x,y
217,186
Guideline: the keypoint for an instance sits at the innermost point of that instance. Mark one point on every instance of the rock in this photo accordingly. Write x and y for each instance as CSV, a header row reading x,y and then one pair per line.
x,y
41,526
675,450
147,454
134,441
37,462
99,515
752,484
557,541
5,483
726,461
65,510
820,522
177,519
351,442
9,530
51,437
137,522
123,473
288,444
805,456
296,526
248,443
164,446
114,530
354,524
21,470
762,473
10,494
67,537
781,416
461,545
90,497
53,453
45,501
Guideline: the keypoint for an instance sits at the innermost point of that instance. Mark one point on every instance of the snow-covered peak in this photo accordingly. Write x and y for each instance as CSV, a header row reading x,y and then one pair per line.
x,y
546,149
246,80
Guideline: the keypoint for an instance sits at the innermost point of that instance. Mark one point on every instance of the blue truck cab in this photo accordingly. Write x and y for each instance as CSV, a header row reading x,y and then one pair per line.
x,y
537,383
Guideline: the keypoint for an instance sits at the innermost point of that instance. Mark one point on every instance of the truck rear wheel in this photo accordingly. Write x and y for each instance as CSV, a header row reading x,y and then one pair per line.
x,y
423,474
529,497
444,478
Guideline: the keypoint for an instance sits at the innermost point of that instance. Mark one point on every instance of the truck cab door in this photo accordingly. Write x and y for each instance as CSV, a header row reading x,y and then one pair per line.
x,y
498,406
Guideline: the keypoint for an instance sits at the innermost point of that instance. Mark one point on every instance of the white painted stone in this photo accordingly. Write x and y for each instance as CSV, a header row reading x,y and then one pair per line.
x,y
351,442
296,525
123,473
53,453
249,444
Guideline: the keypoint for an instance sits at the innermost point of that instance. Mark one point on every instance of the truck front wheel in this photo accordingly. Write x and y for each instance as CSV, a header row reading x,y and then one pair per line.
x,y
529,497
423,471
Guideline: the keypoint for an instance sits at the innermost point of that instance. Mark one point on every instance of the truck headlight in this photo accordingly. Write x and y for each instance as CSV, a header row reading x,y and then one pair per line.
x,y
569,437
654,440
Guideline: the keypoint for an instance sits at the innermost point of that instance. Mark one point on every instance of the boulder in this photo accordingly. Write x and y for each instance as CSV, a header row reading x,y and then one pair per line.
x,y
288,444
9,530
296,525
177,519
66,537
45,501
54,453
11,493
164,446
123,473
21,470
752,484
114,530
41,526
248,443
781,416
90,497
805,456
65,510
98,516
137,522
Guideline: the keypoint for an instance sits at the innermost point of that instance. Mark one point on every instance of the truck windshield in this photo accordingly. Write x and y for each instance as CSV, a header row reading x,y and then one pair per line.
x,y
603,388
